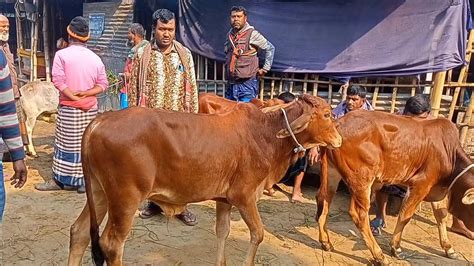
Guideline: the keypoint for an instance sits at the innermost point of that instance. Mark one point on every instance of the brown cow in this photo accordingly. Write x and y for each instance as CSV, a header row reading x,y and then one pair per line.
x,y
168,163
423,155
210,103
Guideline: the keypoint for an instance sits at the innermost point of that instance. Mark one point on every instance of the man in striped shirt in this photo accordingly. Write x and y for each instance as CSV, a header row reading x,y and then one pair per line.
x,y
10,132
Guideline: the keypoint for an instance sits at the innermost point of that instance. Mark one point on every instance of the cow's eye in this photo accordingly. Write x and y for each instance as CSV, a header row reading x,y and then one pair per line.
x,y
327,115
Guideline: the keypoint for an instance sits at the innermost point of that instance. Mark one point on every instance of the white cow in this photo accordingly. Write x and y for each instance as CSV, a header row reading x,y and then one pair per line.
x,y
36,98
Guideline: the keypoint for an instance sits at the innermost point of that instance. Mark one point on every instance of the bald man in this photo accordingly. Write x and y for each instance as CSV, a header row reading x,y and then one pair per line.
x,y
4,36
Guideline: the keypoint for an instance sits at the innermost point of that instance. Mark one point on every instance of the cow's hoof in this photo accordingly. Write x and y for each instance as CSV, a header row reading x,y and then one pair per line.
x,y
383,261
396,252
327,246
454,255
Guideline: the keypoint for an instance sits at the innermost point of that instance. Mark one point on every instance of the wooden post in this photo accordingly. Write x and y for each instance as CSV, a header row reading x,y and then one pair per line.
x,y
437,92
19,43
376,93
394,97
34,43
316,84
467,121
305,84
46,40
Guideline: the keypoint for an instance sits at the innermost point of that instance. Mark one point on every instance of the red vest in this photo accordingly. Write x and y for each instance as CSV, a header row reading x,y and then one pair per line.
x,y
241,59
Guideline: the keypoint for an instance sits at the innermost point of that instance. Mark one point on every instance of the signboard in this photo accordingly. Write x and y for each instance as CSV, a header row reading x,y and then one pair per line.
x,y
96,24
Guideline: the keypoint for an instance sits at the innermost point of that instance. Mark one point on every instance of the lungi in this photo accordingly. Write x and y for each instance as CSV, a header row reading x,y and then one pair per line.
x,y
70,126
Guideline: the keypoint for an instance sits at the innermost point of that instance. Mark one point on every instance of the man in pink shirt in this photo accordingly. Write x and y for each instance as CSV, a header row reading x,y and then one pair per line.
x,y
79,75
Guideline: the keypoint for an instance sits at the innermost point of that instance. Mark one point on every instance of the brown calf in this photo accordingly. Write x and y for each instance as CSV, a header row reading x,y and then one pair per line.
x,y
380,148
176,158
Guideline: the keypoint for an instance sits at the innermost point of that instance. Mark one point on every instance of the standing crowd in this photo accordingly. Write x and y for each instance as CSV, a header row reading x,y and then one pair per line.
x,y
158,74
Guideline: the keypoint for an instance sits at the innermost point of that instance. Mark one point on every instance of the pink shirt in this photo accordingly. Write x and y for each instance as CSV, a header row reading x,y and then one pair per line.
x,y
78,69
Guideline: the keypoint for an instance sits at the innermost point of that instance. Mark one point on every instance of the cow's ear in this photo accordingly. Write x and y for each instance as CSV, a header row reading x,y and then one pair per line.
x,y
300,124
468,197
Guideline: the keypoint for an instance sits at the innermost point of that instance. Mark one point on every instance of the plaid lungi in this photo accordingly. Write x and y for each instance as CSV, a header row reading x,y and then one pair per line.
x,y
70,125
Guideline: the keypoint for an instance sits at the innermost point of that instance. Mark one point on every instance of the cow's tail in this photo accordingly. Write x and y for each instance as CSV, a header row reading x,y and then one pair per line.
x,y
97,253
323,187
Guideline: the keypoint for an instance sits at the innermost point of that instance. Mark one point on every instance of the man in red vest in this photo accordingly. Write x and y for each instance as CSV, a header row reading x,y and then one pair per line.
x,y
241,47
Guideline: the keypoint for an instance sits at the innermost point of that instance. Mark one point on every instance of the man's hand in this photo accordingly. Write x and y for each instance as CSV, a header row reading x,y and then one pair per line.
x,y
20,176
313,155
261,72
82,94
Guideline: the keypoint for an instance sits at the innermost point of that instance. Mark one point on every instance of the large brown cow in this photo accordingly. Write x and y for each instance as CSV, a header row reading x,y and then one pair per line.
x,y
138,153
210,103
423,155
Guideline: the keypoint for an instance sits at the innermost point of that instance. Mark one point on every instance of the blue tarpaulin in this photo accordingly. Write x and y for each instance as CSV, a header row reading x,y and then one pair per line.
x,y
339,37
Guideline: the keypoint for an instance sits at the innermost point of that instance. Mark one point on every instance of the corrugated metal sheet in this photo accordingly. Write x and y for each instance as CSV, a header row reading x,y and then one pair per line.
x,y
111,45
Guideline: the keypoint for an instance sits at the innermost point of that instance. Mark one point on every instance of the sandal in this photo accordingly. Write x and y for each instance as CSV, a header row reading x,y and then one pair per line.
x,y
188,218
150,210
53,185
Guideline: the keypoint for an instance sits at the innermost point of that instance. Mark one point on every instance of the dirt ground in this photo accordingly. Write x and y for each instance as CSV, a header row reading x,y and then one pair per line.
x,y
36,229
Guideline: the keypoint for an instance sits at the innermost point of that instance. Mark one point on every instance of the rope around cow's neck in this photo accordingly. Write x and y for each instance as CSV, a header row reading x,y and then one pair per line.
x,y
459,175
299,147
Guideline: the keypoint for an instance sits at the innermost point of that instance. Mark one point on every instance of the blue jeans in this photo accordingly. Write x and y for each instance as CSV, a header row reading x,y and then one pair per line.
x,y
2,190
243,91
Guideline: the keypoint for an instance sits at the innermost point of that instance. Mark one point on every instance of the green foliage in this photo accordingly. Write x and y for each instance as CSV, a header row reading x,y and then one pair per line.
x,y
115,83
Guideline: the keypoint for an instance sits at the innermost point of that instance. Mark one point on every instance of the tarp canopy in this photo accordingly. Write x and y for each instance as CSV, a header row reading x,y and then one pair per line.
x,y
339,37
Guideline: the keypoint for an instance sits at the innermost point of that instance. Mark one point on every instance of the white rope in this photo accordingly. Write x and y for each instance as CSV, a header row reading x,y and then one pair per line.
x,y
300,147
459,175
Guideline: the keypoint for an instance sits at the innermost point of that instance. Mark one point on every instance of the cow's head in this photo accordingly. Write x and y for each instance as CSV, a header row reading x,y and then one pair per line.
x,y
461,204
467,209
317,123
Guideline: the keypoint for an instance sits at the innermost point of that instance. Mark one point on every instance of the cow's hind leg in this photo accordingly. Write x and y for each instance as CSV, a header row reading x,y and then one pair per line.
x,y
441,215
324,203
249,213
222,229
414,196
80,234
121,214
359,211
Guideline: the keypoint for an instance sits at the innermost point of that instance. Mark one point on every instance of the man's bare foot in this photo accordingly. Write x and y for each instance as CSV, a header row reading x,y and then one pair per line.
x,y
460,228
297,197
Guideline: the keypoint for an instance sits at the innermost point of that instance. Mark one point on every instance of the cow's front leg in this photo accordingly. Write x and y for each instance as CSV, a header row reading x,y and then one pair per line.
x,y
359,211
324,200
222,229
249,212
441,216
415,196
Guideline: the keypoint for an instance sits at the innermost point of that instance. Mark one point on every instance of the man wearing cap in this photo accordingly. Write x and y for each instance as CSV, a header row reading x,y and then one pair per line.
x,y
79,75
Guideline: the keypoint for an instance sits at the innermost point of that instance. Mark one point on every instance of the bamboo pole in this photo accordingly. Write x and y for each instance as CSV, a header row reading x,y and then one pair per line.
x,y
272,88
437,92
467,120
376,93
46,40
305,84
34,44
19,43
330,93
292,82
394,96
462,76
262,88
315,88
413,89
